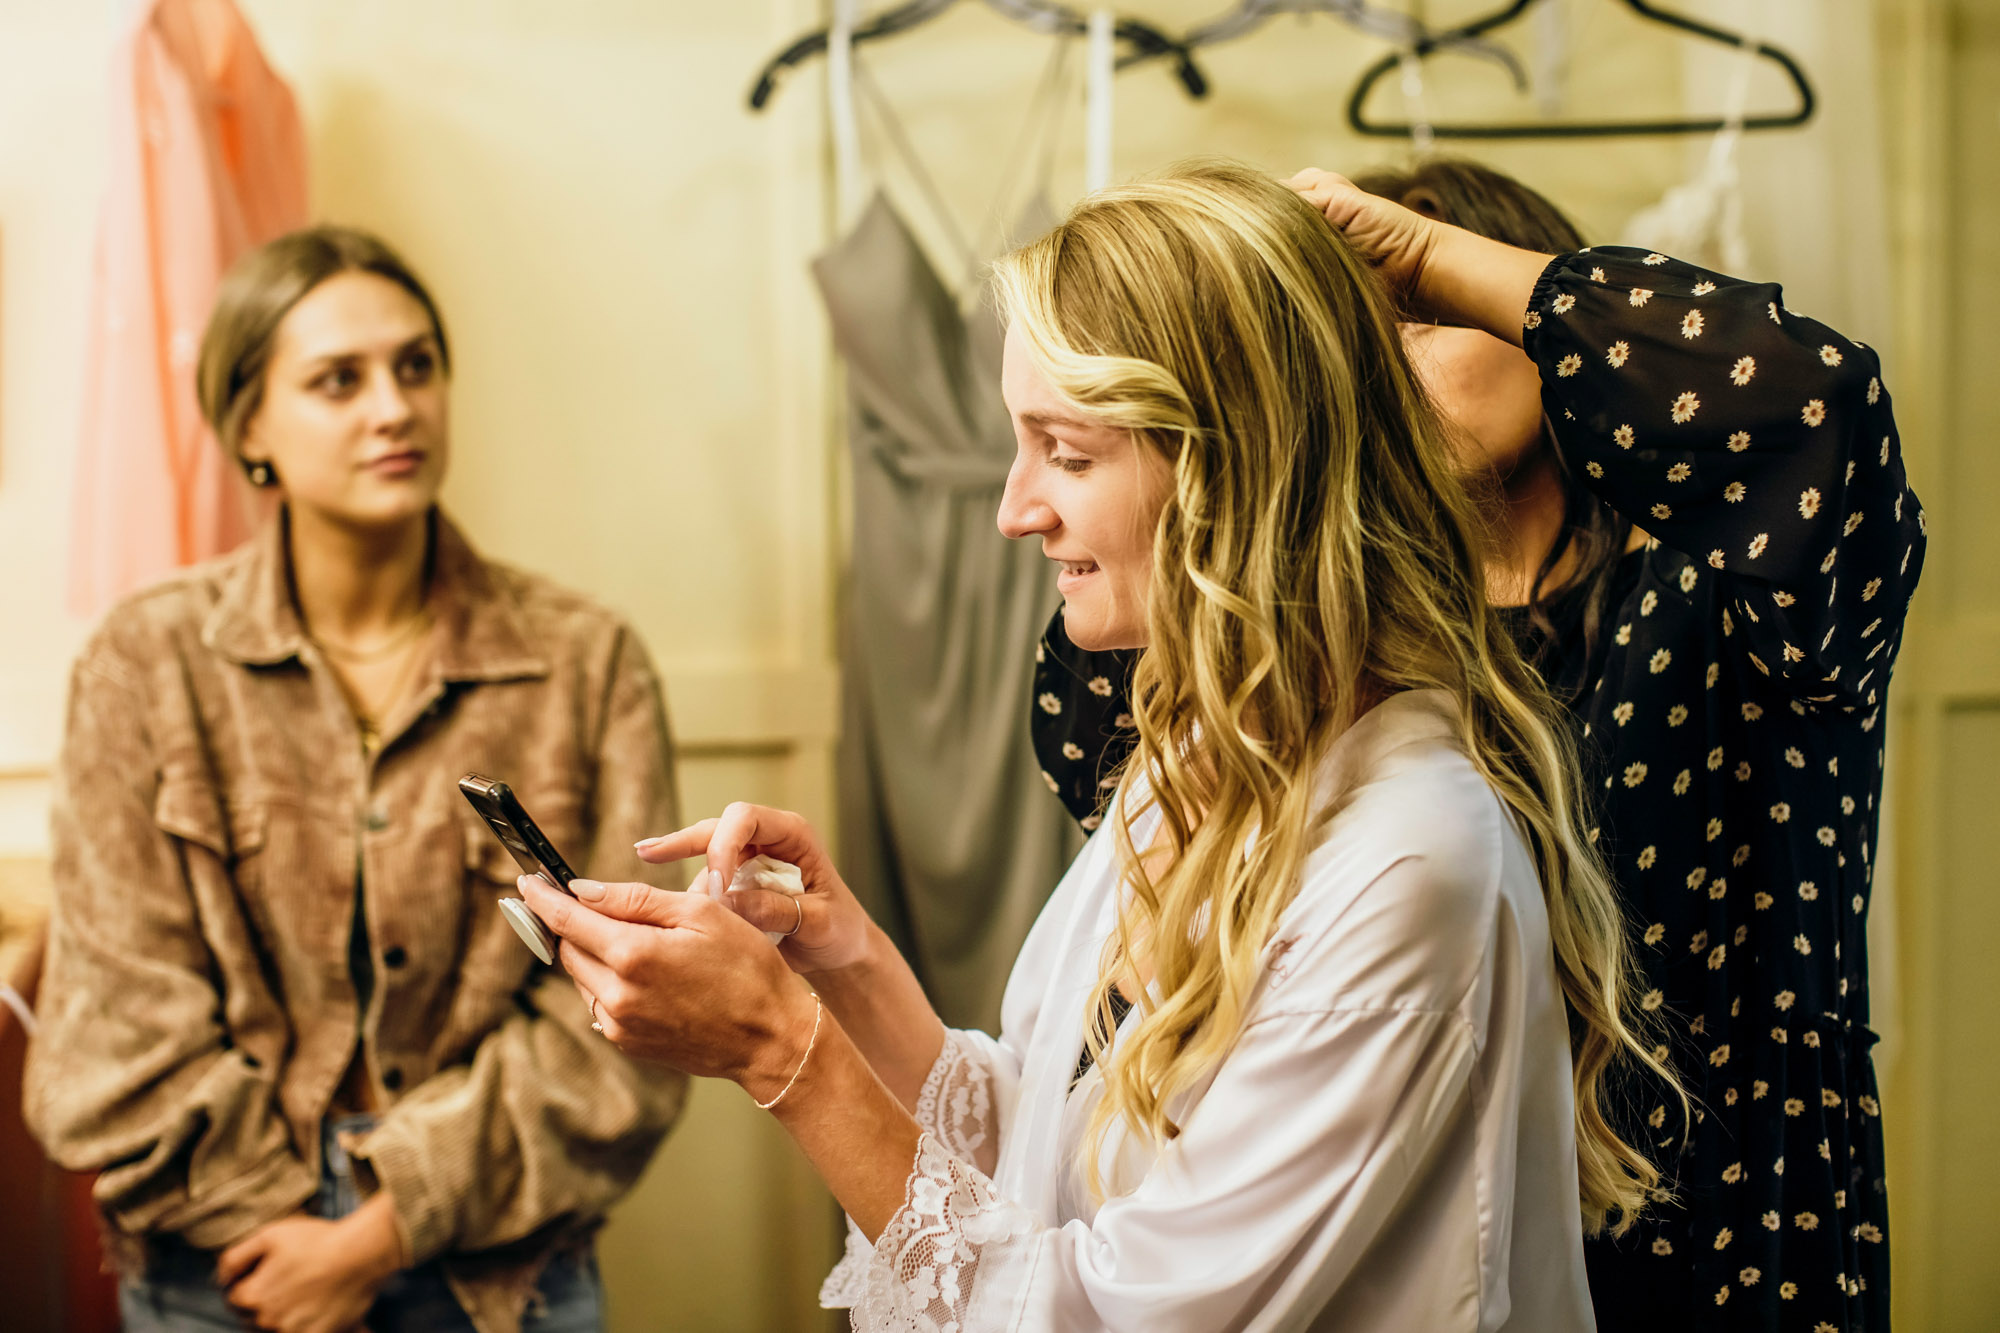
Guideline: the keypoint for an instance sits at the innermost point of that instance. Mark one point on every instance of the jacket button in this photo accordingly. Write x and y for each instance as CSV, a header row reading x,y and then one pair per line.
x,y
395,956
376,821
392,1078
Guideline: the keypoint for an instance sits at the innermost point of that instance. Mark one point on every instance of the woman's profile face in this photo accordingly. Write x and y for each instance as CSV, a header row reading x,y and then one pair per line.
x,y
355,413
1488,391
1092,493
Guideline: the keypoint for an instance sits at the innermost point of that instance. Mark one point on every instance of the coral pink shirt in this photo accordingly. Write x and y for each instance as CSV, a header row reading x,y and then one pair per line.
x,y
207,160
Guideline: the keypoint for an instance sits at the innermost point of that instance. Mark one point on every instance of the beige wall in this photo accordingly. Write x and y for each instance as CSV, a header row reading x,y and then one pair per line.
x,y
645,406
1944,67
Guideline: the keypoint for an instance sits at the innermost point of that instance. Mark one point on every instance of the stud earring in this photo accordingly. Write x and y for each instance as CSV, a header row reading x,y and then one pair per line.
x,y
261,474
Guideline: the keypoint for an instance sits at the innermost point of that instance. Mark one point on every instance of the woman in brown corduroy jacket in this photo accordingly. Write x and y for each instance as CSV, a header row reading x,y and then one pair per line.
x,y
319,1079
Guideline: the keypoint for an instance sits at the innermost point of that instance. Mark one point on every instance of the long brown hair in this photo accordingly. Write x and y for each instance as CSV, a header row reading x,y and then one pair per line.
x,y
1495,205
1318,548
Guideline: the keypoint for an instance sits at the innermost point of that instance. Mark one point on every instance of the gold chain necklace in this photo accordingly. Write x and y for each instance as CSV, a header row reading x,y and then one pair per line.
x,y
370,726
348,653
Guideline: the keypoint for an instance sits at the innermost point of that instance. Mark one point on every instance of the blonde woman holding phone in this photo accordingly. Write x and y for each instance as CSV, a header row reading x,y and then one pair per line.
x,y
1313,1033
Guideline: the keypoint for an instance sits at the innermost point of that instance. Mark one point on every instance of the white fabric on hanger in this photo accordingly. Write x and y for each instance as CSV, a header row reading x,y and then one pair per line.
x,y
14,1000
1101,70
1548,66
1415,104
849,183
1701,220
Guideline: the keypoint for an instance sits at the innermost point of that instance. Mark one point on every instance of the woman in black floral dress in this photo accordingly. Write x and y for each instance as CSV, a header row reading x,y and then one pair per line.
x,y
1706,524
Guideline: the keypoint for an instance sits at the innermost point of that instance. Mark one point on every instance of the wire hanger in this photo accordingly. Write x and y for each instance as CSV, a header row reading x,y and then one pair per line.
x,y
1583,129
1144,40
1389,24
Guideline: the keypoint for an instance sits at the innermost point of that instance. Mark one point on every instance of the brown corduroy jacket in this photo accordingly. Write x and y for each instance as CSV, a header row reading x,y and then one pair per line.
x,y
216,826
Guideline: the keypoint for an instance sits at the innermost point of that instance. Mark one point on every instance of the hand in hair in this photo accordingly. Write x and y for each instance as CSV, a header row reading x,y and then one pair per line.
x,y
1438,271
1395,239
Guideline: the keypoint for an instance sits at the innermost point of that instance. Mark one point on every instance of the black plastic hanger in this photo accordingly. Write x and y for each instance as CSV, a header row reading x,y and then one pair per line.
x,y
1143,40
1391,25
1582,129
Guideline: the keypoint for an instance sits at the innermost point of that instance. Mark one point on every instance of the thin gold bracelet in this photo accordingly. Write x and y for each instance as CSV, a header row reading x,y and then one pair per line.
x,y
819,1008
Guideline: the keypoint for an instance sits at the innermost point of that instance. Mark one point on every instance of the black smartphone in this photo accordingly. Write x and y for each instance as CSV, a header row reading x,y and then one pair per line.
x,y
536,855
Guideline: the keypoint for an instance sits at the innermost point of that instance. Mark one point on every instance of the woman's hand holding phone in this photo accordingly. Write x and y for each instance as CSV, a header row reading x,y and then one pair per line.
x,y
708,948
680,980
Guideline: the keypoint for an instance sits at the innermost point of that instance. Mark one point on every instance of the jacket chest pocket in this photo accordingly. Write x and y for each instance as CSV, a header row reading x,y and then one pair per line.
x,y
293,883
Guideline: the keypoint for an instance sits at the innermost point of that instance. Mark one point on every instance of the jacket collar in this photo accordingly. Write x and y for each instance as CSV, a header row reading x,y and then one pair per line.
x,y
479,634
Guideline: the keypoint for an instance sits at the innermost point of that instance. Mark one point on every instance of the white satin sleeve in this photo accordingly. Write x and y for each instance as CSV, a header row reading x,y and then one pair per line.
x,y
1388,1146
1313,1135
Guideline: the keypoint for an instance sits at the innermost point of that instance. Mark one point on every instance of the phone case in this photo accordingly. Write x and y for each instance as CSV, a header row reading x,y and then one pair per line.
x,y
532,851
530,928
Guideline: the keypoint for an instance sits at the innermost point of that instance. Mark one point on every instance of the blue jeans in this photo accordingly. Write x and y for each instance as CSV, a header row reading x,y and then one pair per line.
x,y
179,1294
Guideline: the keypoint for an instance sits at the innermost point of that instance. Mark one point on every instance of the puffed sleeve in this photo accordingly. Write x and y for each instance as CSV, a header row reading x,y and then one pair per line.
x,y
1759,442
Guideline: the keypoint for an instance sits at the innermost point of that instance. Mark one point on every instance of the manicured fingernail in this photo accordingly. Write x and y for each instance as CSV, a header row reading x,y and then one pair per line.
x,y
644,843
589,890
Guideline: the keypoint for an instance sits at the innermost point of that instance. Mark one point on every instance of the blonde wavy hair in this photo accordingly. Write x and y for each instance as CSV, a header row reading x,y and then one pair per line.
x,y
1317,553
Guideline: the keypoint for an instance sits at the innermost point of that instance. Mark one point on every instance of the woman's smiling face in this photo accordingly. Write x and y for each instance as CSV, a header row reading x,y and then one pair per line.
x,y
1093,494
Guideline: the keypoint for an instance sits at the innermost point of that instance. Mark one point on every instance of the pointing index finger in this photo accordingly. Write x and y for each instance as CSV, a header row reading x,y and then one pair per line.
x,y
747,830
678,845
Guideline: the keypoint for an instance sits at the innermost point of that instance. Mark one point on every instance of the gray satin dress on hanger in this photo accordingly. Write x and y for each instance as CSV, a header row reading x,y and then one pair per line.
x,y
947,832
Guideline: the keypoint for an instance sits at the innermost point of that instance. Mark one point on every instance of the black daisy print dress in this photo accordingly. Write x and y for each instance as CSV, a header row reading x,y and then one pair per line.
x,y
1733,716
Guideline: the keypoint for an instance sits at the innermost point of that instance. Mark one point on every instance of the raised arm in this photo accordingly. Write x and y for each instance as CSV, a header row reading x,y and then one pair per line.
x,y
1759,442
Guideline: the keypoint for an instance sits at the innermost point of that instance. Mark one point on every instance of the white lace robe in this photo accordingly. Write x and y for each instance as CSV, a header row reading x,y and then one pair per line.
x,y
1388,1147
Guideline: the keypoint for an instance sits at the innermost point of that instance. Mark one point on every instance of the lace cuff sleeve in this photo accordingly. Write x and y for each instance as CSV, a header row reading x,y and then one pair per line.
x,y
956,1108
956,1103
941,1262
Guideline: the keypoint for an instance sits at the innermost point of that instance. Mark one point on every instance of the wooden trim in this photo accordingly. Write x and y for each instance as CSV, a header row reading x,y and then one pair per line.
x,y
757,710
761,709
1935,663
1959,662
